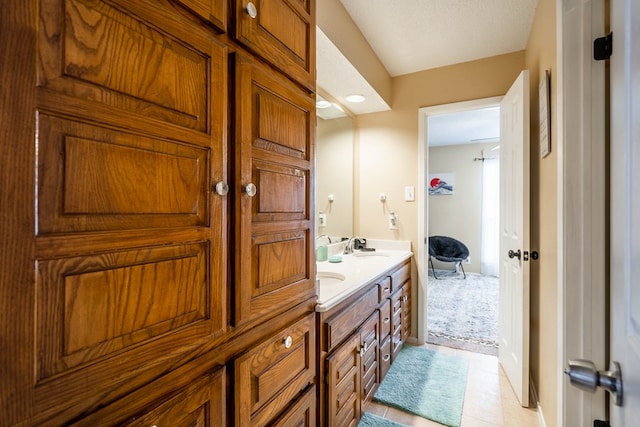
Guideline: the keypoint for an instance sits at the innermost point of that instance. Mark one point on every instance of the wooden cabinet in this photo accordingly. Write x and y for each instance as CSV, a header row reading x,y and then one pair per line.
x,y
282,32
274,146
138,268
357,338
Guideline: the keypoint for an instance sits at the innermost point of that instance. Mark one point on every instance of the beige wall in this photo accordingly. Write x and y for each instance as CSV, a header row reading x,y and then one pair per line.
x,y
387,161
334,175
388,142
466,200
540,56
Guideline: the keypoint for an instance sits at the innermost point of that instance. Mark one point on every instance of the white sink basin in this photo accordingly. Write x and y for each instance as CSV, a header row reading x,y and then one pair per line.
x,y
368,254
329,278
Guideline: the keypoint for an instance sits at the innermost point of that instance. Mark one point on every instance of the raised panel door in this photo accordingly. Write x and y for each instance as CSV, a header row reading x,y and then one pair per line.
x,y
272,188
283,33
131,241
344,405
406,310
370,364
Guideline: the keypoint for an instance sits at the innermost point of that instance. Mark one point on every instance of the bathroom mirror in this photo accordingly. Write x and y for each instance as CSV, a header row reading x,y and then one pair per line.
x,y
334,171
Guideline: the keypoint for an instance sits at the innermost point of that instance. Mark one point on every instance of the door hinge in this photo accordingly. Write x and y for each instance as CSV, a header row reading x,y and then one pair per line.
x,y
600,423
603,47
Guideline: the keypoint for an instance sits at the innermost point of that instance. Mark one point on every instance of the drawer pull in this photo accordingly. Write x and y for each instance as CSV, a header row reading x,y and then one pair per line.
x,y
385,289
386,357
386,320
288,342
250,189
222,188
252,10
405,298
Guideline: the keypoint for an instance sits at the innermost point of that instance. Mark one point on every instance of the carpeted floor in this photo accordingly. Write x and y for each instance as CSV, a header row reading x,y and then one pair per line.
x,y
463,313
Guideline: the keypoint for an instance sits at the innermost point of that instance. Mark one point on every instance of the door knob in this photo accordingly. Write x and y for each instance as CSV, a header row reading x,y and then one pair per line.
x,y
584,375
516,254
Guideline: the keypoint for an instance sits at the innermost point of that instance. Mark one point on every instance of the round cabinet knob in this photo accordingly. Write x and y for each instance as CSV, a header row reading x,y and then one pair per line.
x,y
288,342
252,11
222,188
250,189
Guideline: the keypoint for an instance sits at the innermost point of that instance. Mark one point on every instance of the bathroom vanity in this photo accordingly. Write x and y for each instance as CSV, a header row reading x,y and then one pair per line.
x,y
363,319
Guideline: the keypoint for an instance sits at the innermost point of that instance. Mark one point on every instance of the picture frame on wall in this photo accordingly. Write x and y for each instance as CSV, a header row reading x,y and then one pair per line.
x,y
440,184
545,115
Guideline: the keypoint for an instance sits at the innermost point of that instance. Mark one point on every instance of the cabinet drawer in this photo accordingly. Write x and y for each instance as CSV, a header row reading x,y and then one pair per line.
x,y
385,357
385,320
302,413
201,404
272,374
384,289
343,324
400,276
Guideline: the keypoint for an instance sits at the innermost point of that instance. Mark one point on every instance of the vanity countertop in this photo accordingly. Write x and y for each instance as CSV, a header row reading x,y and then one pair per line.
x,y
339,280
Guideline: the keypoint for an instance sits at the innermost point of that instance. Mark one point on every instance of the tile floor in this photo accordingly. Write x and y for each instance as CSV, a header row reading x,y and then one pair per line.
x,y
489,400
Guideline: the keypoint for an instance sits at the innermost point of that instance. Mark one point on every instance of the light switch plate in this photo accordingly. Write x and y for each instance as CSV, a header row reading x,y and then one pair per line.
x,y
409,194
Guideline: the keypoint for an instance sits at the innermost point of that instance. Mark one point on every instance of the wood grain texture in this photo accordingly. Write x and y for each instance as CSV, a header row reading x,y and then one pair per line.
x,y
274,264
343,401
302,413
271,375
283,34
17,218
93,178
214,11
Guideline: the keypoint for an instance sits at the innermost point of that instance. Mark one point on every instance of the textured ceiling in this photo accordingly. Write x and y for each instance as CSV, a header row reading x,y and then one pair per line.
x,y
415,35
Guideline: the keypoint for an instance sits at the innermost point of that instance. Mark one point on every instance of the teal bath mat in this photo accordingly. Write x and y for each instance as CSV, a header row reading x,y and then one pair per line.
x,y
370,420
426,383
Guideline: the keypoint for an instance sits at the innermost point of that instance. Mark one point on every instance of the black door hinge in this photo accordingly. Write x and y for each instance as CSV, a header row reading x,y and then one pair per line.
x,y
603,47
600,423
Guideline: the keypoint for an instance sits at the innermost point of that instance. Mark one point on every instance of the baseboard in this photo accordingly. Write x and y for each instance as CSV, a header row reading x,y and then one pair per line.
x,y
414,341
534,398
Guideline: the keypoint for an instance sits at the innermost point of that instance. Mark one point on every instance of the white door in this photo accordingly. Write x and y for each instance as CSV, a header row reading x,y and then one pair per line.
x,y
625,207
514,236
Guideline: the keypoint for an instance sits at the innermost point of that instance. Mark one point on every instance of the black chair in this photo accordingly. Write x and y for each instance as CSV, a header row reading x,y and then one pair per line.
x,y
447,249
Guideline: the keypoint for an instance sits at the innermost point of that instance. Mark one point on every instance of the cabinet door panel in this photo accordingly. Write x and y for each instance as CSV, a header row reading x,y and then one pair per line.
x,y
370,339
93,178
131,247
274,152
283,33
102,54
406,310
343,384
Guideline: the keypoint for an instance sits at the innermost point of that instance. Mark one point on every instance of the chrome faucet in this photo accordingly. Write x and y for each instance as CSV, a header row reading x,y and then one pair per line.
x,y
348,249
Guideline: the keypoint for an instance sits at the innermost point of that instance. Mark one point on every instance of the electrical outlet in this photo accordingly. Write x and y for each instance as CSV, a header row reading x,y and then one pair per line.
x,y
322,219
393,221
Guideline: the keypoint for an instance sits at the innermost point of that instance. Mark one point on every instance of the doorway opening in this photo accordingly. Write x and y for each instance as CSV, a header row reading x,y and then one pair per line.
x,y
460,182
